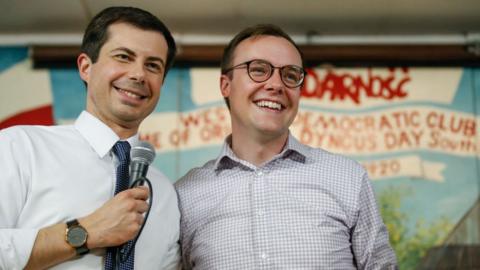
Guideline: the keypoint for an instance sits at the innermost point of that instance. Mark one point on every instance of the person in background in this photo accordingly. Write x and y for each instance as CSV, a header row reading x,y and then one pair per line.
x,y
268,201
61,199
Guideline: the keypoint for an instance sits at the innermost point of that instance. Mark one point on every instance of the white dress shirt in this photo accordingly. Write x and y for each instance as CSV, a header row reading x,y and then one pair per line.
x,y
53,174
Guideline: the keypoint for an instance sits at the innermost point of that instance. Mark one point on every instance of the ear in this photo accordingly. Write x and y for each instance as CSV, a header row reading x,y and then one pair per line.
x,y
84,64
225,83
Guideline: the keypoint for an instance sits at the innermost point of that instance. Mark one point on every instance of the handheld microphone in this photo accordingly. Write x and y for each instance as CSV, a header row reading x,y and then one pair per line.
x,y
141,156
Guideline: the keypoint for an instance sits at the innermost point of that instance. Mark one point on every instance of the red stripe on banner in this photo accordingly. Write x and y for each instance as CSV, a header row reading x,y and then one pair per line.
x,y
38,116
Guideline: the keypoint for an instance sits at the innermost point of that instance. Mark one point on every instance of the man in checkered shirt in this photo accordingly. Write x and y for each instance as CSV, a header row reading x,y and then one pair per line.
x,y
268,201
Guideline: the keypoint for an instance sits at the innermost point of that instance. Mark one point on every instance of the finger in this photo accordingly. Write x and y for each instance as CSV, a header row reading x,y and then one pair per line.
x,y
143,187
140,219
142,206
139,193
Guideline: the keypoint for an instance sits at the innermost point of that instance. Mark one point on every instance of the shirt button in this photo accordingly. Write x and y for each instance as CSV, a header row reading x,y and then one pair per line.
x,y
264,256
260,213
259,173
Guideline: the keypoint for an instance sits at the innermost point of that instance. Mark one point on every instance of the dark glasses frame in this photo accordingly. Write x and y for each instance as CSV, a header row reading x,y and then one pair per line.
x,y
282,70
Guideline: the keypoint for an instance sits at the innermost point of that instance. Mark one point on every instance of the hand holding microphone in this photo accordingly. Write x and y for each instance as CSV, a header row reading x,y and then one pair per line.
x,y
122,218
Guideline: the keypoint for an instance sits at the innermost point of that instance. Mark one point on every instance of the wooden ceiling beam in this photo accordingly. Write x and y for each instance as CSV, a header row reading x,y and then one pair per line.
x,y
337,55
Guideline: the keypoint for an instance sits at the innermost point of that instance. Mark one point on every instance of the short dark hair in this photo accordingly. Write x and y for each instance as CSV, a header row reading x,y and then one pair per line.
x,y
96,33
253,31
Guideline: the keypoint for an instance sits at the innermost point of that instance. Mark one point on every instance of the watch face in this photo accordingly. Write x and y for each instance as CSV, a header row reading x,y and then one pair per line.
x,y
76,236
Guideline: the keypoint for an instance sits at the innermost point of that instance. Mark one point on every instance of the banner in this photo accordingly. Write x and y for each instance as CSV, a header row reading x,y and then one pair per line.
x,y
414,129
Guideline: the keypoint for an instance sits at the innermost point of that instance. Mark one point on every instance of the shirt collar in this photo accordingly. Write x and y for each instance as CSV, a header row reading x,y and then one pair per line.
x,y
100,137
293,149
296,147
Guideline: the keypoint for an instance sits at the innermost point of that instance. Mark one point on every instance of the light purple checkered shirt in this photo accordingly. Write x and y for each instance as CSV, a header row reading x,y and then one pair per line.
x,y
304,209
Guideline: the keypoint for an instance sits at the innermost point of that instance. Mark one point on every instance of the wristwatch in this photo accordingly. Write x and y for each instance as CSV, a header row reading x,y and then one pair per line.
x,y
76,237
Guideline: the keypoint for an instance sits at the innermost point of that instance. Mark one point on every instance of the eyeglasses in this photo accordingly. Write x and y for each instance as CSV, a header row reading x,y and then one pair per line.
x,y
261,70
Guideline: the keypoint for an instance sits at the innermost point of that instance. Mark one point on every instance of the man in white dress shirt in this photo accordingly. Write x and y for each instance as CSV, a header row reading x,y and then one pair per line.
x,y
62,178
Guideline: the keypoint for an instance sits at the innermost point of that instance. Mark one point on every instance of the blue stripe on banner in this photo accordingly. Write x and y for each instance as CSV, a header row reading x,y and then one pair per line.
x,y
463,100
11,55
69,93
176,164
175,95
